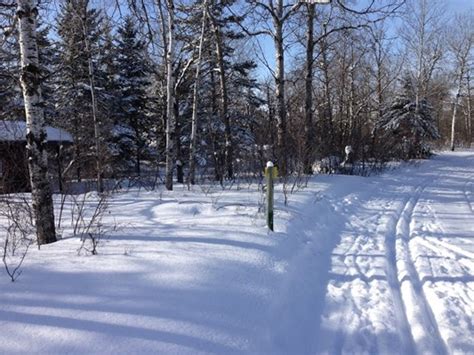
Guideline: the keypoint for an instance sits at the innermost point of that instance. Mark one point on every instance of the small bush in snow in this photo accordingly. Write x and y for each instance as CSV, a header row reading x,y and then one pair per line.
x,y
327,165
17,232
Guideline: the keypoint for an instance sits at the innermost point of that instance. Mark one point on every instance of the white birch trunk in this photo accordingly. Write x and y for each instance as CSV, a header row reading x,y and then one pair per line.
x,y
453,119
462,67
98,151
36,134
469,110
170,97
224,99
455,105
280,87
194,119
308,127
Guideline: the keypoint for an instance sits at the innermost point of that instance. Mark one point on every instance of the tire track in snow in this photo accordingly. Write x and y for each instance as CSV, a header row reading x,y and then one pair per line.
x,y
423,326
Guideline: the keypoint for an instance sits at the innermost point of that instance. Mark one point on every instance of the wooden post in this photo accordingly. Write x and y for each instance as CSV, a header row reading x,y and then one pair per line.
x,y
269,172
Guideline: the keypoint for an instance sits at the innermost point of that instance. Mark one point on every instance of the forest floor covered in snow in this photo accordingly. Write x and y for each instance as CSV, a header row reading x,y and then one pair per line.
x,y
383,264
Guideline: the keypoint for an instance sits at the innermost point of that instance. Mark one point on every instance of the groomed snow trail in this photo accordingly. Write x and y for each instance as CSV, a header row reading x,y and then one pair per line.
x,y
377,265
402,275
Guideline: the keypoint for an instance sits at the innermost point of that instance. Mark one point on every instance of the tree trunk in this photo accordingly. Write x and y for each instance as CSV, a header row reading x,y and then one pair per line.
x,y
213,136
194,118
270,126
138,150
280,89
228,149
98,151
352,99
329,124
342,107
469,112
36,134
178,155
455,105
170,93
309,137
380,99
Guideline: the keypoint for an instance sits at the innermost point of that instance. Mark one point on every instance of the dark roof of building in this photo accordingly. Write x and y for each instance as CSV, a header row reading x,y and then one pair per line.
x,y
15,131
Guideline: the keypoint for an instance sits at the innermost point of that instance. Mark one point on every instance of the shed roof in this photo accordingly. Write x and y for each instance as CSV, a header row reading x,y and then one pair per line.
x,y
15,131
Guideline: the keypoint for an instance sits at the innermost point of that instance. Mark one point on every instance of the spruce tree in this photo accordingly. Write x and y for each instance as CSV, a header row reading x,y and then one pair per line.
x,y
48,59
223,87
81,31
11,100
408,124
132,119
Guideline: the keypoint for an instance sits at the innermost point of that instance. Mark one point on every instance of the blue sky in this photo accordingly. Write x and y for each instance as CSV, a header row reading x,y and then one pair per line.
x,y
452,7
460,5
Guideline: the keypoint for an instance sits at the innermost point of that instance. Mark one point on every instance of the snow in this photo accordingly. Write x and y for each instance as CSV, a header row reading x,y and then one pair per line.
x,y
16,131
356,265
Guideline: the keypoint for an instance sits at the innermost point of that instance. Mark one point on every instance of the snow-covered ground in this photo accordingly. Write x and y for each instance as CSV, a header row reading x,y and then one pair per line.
x,y
356,265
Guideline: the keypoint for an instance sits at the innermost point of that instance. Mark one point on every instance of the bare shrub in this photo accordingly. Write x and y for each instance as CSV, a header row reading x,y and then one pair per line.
x,y
18,232
293,183
87,213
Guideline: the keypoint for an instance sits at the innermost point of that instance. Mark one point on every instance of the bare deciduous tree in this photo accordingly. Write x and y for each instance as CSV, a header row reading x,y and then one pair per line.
x,y
30,78
460,45
170,97
194,119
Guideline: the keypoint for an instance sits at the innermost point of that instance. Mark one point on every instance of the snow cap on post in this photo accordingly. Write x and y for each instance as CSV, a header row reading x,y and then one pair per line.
x,y
269,164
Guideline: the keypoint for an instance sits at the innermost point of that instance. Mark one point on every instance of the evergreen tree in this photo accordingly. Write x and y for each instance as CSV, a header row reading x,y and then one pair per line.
x,y
132,121
11,100
224,85
48,58
408,124
81,43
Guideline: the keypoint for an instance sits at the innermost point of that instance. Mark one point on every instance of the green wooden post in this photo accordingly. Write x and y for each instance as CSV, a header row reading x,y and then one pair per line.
x,y
269,173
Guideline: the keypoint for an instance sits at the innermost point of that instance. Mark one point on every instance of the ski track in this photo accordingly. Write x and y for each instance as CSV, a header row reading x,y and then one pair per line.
x,y
423,326
403,324
425,271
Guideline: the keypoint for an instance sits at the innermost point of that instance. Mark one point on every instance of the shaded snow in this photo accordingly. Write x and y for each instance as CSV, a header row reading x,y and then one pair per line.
x,y
356,265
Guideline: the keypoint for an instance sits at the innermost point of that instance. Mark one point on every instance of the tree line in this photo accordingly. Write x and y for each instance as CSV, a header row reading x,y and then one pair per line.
x,y
219,87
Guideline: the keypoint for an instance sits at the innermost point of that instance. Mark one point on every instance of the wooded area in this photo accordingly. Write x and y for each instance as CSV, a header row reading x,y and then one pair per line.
x,y
189,89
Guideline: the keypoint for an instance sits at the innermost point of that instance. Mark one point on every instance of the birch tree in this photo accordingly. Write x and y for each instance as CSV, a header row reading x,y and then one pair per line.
x,y
339,19
95,120
460,44
277,13
308,107
224,100
468,108
170,98
422,33
27,12
194,119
